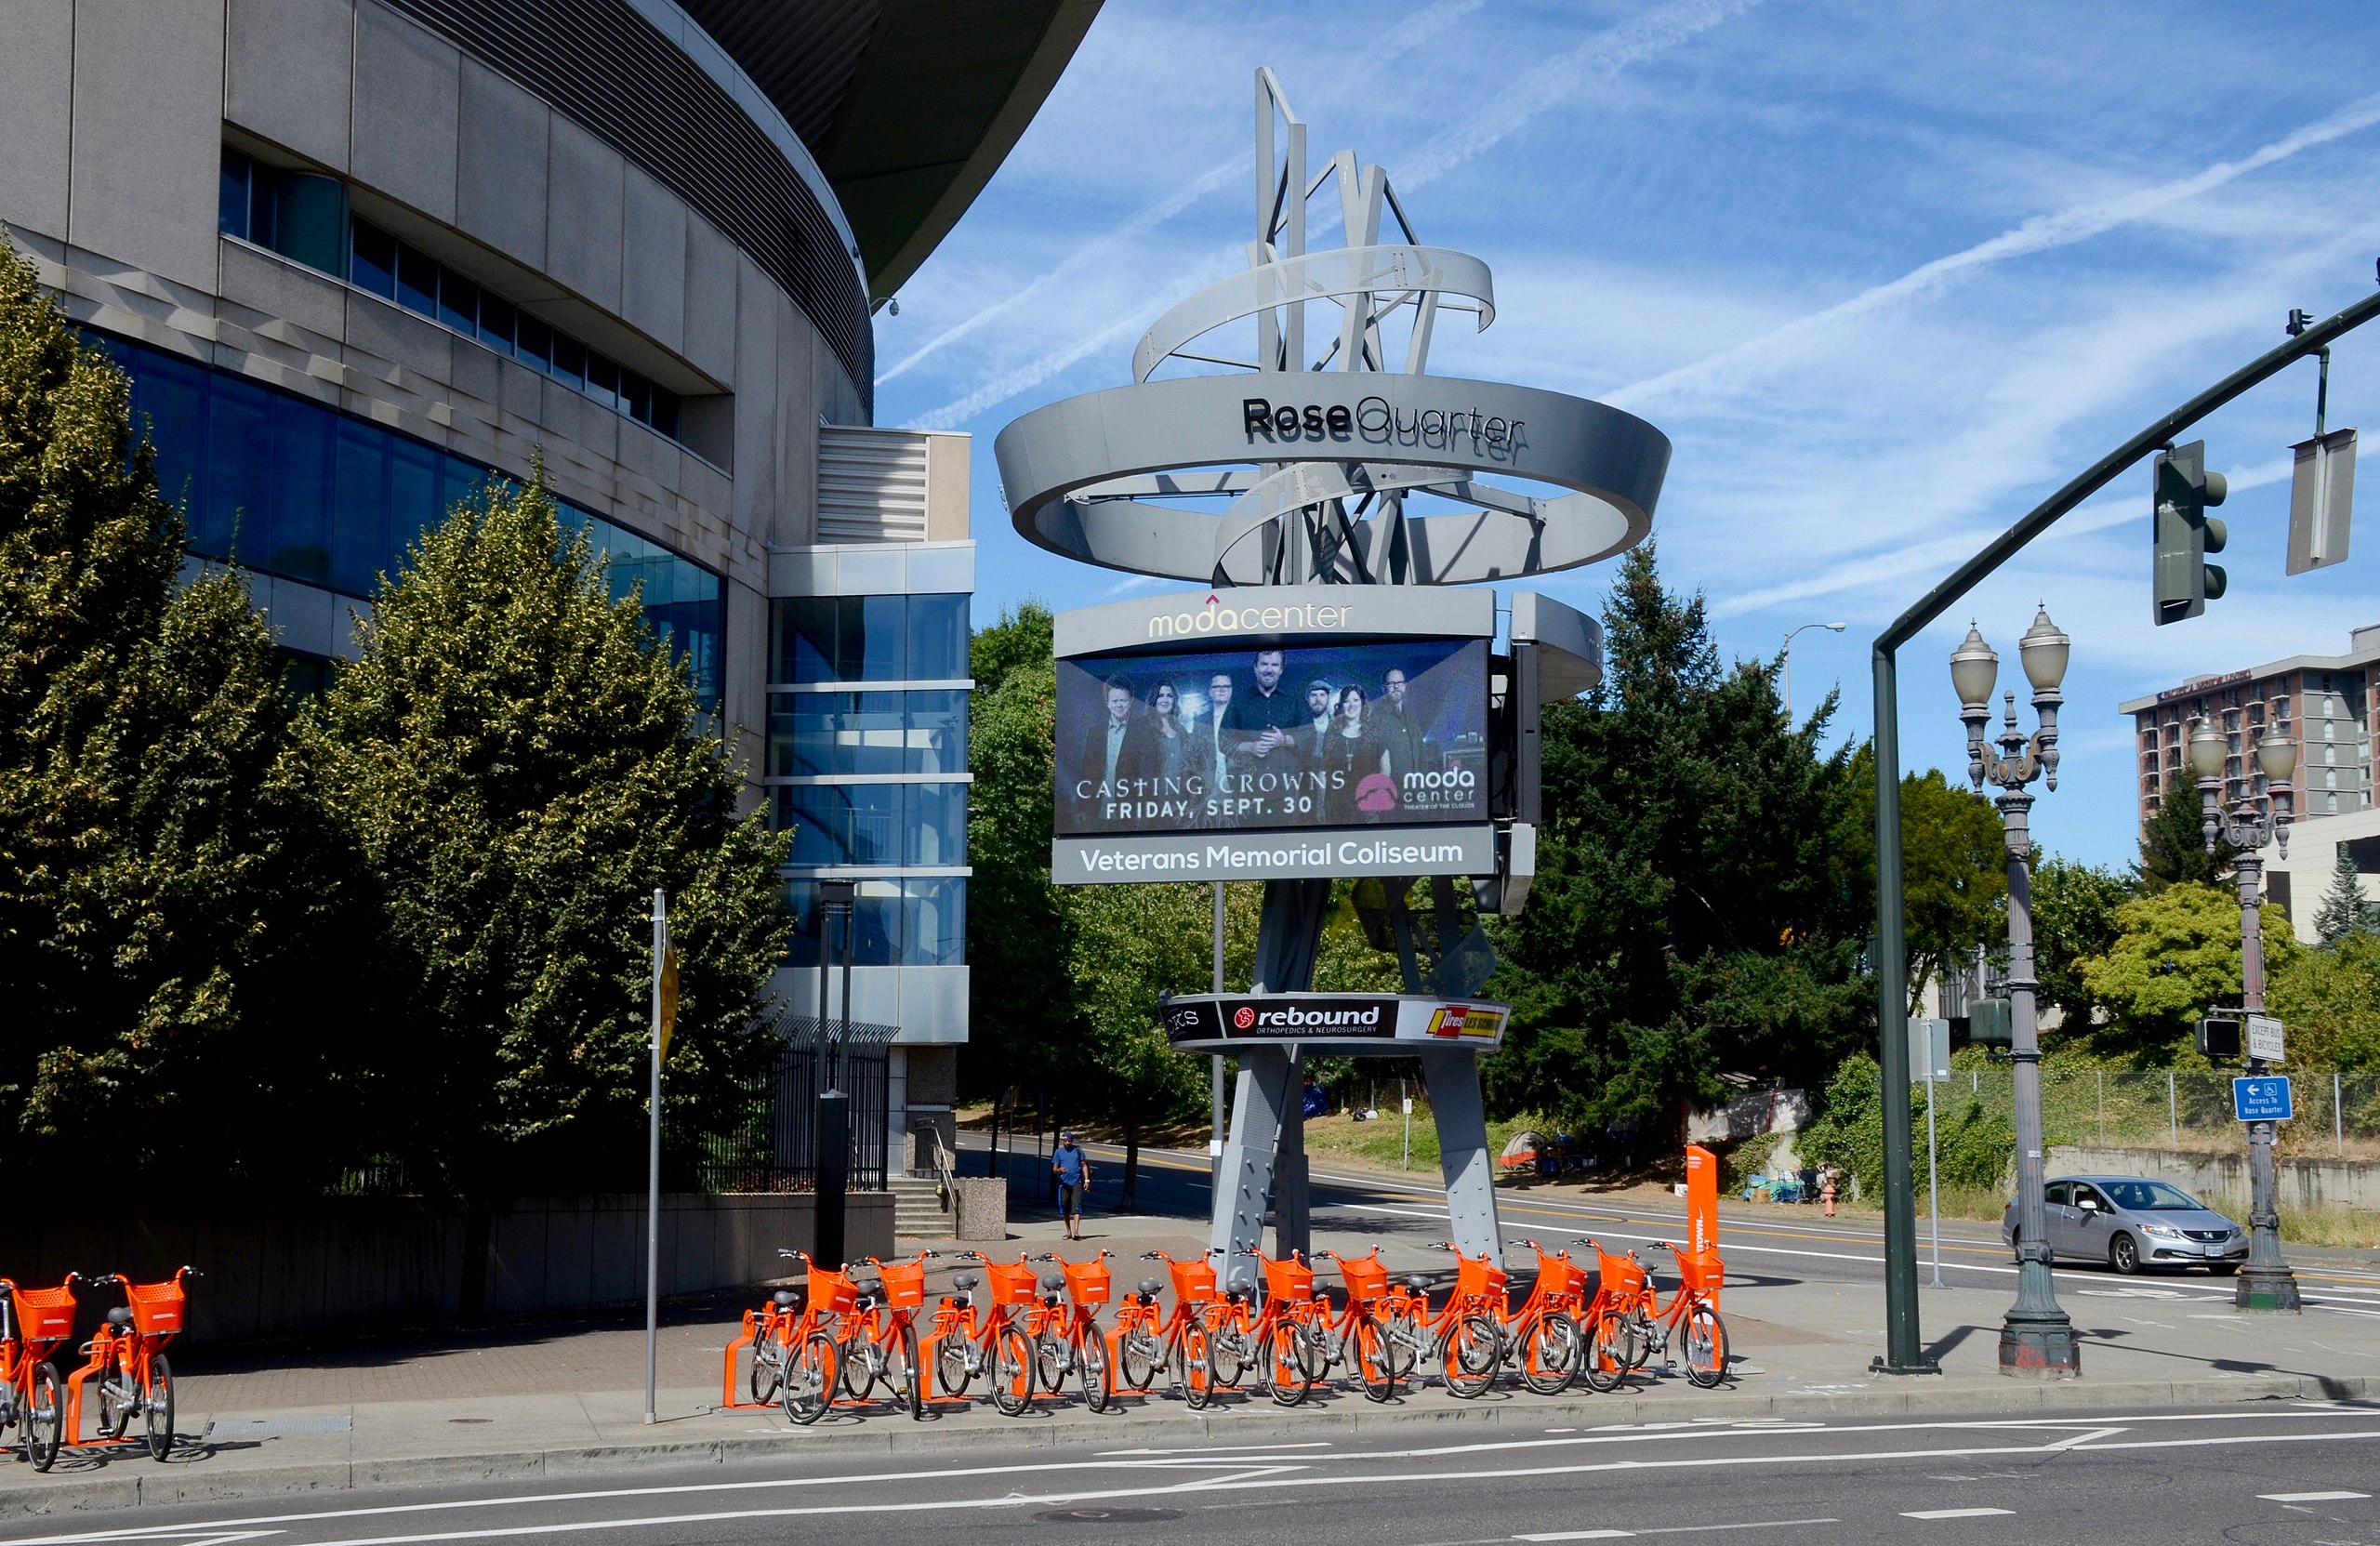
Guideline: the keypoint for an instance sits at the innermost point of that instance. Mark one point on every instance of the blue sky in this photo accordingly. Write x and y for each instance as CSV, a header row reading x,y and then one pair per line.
x,y
1886,275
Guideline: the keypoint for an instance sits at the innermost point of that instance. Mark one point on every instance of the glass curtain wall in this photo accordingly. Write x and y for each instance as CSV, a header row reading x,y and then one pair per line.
x,y
289,488
873,777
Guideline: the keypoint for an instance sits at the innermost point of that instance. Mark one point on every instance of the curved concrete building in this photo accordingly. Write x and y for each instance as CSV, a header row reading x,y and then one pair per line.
x,y
358,254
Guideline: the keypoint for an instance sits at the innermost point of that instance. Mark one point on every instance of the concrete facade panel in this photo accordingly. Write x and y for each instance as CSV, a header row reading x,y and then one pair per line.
x,y
406,113
286,74
36,97
794,522
710,301
397,338
757,412
500,165
653,261
147,127
275,287
586,183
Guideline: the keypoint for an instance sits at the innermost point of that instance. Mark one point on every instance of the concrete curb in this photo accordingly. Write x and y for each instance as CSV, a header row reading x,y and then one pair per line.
x,y
1503,1413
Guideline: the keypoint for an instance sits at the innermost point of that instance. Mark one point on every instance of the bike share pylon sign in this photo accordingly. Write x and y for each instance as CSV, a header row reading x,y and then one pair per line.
x,y
1322,708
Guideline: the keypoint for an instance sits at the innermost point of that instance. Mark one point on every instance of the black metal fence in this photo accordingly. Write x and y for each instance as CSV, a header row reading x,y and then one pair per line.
x,y
770,1142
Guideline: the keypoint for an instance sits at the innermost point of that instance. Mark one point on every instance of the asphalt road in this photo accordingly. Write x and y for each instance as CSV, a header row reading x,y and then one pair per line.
x,y
1801,1245
2288,1476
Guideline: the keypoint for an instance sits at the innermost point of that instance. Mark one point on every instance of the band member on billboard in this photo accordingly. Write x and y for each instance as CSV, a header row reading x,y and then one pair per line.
x,y
1269,715
1401,728
1215,735
1172,757
1118,747
1351,750
1319,721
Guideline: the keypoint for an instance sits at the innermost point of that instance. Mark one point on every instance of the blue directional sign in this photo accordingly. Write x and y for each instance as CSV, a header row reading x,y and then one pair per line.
x,y
2263,1100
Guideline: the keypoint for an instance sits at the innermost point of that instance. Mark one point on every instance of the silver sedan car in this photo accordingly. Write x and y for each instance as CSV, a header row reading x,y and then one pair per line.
x,y
2130,1222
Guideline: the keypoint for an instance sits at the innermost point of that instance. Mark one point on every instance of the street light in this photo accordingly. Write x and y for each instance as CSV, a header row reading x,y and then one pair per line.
x,y
2036,1338
2266,1283
1831,627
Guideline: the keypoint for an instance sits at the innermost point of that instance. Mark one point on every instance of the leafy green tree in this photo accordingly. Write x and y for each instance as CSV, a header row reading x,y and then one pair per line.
x,y
2330,999
1695,908
169,899
2074,917
2175,956
1954,869
1973,1147
521,761
2345,912
2172,842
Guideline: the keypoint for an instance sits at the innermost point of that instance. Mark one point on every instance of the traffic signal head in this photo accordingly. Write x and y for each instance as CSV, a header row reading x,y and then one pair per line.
x,y
2185,533
2218,1038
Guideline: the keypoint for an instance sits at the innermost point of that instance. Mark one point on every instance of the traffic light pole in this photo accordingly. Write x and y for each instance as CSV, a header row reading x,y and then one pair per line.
x,y
1904,1347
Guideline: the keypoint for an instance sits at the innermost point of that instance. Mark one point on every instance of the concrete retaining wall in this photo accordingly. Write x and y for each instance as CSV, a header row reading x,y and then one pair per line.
x,y
2303,1184
352,1263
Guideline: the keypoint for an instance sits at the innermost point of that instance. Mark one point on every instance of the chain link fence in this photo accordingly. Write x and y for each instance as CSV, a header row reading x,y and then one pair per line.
x,y
2338,1114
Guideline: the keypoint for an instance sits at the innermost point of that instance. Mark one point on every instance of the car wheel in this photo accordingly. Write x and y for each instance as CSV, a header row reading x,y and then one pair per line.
x,y
2123,1254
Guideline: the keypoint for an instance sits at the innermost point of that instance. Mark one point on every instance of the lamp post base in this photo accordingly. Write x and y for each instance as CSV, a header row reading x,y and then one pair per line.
x,y
2268,1289
2041,1349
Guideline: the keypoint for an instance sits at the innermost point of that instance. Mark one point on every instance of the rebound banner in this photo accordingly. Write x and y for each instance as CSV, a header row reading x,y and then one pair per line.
x,y
1221,1021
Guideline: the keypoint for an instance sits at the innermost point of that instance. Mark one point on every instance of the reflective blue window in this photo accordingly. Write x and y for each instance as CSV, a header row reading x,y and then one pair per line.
x,y
874,823
288,487
911,921
935,832
870,638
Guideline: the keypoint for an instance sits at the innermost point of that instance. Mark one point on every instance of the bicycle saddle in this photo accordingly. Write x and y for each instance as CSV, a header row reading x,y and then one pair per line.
x,y
1149,1286
964,1281
1418,1285
786,1298
120,1316
1054,1281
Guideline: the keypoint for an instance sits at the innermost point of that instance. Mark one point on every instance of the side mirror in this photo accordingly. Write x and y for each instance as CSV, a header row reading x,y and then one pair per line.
x,y
2088,1204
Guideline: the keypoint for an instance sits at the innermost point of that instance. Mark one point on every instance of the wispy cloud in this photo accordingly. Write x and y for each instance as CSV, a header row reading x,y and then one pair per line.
x,y
1732,369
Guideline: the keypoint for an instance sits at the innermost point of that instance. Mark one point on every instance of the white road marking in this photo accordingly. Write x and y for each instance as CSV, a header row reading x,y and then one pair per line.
x,y
2310,1497
1577,1534
1952,1514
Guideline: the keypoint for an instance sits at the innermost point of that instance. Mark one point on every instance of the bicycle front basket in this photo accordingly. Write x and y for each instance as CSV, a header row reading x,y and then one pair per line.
x,y
1014,1284
831,1292
1292,1280
905,1286
1365,1276
46,1314
1089,1282
156,1307
1193,1282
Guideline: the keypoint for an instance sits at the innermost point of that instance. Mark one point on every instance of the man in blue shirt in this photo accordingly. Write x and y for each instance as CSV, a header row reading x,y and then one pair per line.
x,y
1072,1167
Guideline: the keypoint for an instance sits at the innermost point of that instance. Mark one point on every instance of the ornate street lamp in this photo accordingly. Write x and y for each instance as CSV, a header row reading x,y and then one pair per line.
x,y
2036,1338
2266,1283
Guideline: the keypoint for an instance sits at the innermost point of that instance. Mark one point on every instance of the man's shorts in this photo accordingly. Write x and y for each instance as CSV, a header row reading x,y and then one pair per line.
x,y
1069,1200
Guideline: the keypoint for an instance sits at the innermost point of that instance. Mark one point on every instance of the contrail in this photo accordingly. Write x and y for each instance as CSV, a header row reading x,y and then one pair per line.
x,y
1415,30
1599,57
2061,228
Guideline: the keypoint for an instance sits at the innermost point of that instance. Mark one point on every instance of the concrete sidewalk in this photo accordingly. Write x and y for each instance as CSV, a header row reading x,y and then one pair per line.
x,y
531,1402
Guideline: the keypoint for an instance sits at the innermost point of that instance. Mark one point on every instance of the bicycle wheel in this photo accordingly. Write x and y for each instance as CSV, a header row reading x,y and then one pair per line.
x,y
1285,1376
1049,1360
766,1361
1011,1371
1604,1361
157,1407
1191,1372
45,1418
1706,1346
1228,1355
913,1373
1137,1356
1370,1353
810,1378
119,1398
952,1372
1643,1338
1469,1358
862,1363
1313,1348
1402,1338
1098,1374
1550,1353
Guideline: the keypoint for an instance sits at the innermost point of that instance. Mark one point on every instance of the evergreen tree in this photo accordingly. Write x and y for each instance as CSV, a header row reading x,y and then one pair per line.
x,y
520,761
1695,908
169,899
2074,918
2343,911
2172,842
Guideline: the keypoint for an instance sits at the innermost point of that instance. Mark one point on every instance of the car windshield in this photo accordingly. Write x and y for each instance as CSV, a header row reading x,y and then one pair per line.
x,y
2149,1196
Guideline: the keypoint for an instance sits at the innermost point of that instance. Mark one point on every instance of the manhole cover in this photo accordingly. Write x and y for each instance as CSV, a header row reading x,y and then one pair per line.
x,y
1106,1516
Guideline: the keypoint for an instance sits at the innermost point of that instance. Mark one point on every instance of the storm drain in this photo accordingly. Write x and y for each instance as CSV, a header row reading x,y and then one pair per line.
x,y
267,1427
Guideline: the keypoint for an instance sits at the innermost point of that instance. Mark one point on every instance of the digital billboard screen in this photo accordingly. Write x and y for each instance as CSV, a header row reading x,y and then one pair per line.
x,y
1269,739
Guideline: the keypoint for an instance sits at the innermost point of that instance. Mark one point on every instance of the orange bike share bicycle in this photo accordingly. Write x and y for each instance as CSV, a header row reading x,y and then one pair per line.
x,y
879,1345
32,1323
1287,1336
966,1342
795,1336
1545,1339
1066,1338
1624,1289
1359,1336
1465,1340
126,1362
1179,1344
1693,1311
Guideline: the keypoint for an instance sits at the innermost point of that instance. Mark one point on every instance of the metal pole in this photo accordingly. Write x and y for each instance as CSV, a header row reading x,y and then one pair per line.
x,y
2266,1283
2036,1338
1903,1353
1215,1063
1933,1176
2172,1110
2338,1114
2102,1075
653,1166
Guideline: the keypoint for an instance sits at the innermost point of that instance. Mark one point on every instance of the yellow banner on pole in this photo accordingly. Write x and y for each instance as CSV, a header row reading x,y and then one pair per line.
x,y
669,997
